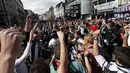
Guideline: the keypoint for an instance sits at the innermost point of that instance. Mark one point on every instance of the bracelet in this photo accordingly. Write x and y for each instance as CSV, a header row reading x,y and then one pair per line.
x,y
96,38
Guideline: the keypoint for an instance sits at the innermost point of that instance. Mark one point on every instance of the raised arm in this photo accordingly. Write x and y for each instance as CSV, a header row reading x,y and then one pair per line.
x,y
28,24
125,38
126,26
35,27
87,64
95,45
25,54
28,48
100,59
63,53
52,60
27,28
10,40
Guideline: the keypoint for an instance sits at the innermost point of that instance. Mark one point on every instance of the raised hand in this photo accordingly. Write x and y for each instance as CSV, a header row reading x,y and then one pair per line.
x,y
87,63
10,40
96,33
32,31
125,38
86,52
95,45
63,53
60,35
28,24
35,26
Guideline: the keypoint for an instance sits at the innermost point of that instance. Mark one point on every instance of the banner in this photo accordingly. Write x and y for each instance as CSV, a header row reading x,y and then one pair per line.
x,y
73,11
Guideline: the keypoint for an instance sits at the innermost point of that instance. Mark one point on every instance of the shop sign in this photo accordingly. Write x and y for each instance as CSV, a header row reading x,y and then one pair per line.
x,y
122,9
125,16
73,11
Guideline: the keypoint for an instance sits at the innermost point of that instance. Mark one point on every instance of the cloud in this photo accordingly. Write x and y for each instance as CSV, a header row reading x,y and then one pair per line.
x,y
39,6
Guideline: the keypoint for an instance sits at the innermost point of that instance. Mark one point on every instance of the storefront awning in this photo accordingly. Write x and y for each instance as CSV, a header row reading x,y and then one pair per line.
x,y
105,10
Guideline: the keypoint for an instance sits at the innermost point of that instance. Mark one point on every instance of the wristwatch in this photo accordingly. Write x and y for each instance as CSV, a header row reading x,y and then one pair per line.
x,y
96,38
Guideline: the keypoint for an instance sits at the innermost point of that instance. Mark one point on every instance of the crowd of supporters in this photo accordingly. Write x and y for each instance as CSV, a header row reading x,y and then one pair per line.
x,y
73,46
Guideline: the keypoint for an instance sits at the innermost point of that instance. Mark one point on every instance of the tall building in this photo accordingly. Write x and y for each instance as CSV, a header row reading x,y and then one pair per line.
x,y
21,13
104,8
51,12
10,11
3,14
34,17
29,12
49,15
78,9
59,10
86,8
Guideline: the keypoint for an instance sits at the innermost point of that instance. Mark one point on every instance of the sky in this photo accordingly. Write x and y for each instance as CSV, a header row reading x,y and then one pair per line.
x,y
39,6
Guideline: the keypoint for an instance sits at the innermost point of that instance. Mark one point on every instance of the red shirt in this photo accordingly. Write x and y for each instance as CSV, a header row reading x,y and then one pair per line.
x,y
94,28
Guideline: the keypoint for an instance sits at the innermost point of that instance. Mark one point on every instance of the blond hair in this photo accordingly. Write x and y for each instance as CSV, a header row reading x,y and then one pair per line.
x,y
89,38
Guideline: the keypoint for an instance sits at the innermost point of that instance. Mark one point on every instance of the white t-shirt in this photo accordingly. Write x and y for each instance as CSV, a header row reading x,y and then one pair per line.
x,y
52,43
112,65
81,28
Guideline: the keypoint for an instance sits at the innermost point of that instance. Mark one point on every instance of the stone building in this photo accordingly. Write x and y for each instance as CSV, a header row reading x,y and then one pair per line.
x,y
11,12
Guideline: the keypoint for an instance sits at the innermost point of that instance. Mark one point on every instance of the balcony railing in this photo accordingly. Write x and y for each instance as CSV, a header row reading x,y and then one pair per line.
x,y
106,5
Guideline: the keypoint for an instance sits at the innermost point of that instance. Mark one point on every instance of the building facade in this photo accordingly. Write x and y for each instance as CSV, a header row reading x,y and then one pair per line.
x,y
34,17
59,10
123,10
104,8
49,15
10,12
21,13
86,9
123,2
78,9
3,14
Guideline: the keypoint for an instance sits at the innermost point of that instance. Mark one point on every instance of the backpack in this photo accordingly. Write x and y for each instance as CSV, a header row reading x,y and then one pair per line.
x,y
106,69
71,68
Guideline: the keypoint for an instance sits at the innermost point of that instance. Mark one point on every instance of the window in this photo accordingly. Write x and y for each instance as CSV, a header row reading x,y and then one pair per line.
x,y
110,0
122,2
1,6
69,1
102,1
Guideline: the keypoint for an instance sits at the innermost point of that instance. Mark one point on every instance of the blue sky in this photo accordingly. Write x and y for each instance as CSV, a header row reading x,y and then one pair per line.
x,y
39,6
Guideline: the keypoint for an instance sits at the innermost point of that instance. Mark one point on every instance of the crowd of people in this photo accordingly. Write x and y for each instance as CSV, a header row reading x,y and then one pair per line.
x,y
73,46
